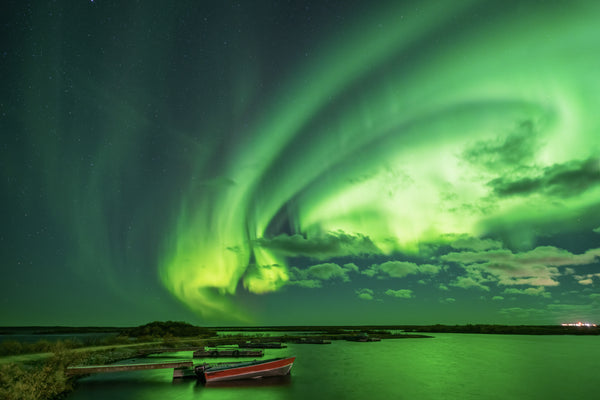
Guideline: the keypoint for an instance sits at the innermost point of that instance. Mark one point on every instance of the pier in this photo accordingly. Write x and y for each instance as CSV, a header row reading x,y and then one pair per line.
x,y
178,368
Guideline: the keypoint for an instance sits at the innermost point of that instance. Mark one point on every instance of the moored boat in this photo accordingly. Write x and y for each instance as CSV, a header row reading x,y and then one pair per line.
x,y
227,352
245,370
263,345
312,341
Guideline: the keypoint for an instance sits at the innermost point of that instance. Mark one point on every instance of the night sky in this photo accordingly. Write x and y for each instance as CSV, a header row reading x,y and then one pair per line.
x,y
299,162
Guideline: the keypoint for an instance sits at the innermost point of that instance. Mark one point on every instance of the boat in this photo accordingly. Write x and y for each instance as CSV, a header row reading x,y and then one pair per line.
x,y
312,341
263,345
208,373
227,352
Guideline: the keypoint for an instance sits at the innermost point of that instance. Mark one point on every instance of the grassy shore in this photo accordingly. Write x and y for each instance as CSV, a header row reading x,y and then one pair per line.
x,y
37,371
43,375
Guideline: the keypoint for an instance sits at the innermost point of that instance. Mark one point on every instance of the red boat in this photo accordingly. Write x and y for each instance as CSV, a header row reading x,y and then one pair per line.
x,y
244,370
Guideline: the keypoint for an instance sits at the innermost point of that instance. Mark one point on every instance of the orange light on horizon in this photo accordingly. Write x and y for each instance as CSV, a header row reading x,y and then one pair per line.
x,y
586,324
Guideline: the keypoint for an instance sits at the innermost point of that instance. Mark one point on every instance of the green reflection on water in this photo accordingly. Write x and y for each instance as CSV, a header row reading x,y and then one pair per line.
x,y
449,366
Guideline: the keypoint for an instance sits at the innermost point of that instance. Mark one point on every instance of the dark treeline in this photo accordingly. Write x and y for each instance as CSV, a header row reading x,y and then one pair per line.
x,y
506,329
437,328
168,328
159,329
168,332
154,329
57,330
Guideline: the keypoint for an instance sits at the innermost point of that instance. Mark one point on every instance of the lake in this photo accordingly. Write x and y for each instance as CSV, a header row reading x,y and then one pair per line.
x,y
449,366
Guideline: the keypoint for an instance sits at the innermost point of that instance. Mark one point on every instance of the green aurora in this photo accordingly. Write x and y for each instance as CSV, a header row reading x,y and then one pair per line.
x,y
410,162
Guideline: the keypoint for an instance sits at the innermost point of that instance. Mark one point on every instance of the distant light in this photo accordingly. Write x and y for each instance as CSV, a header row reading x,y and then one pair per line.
x,y
586,324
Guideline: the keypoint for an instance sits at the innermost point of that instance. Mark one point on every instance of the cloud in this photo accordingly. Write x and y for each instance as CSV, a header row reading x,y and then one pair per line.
x,y
365,294
448,300
351,267
566,307
312,276
429,269
443,287
566,180
505,152
497,298
334,244
538,291
537,267
328,271
402,293
467,282
586,279
400,269
475,244
597,230
307,283
522,313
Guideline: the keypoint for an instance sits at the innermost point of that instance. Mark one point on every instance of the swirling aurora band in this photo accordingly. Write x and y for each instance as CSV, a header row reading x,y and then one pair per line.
x,y
414,126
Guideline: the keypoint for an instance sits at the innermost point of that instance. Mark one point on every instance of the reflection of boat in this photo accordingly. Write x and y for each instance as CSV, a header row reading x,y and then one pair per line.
x,y
244,370
269,381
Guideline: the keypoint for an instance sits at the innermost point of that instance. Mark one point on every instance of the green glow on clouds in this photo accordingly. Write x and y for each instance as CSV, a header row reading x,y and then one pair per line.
x,y
390,135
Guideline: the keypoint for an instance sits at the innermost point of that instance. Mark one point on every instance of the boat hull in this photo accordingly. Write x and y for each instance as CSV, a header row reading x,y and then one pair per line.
x,y
262,369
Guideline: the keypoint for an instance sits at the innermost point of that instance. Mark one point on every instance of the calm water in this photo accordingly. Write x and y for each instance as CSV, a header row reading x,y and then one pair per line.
x,y
450,366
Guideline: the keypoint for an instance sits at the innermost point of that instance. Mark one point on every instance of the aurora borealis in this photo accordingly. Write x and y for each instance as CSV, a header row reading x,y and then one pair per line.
x,y
304,162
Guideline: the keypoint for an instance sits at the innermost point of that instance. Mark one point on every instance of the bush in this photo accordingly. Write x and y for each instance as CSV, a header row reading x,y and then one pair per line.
x,y
11,347
45,381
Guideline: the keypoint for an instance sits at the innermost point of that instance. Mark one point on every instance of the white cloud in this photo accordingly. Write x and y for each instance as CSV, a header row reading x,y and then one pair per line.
x,y
306,283
402,293
538,267
467,282
312,276
400,269
476,244
522,313
365,294
532,291
351,267
332,244
328,271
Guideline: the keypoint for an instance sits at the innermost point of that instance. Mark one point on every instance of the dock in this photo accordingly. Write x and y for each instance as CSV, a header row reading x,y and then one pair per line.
x,y
178,367
228,353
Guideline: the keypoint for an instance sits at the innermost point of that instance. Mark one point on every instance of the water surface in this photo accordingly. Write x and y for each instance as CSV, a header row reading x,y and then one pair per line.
x,y
449,366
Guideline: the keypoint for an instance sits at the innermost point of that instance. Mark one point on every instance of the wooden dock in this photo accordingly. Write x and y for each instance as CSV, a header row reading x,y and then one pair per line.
x,y
94,369
228,353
